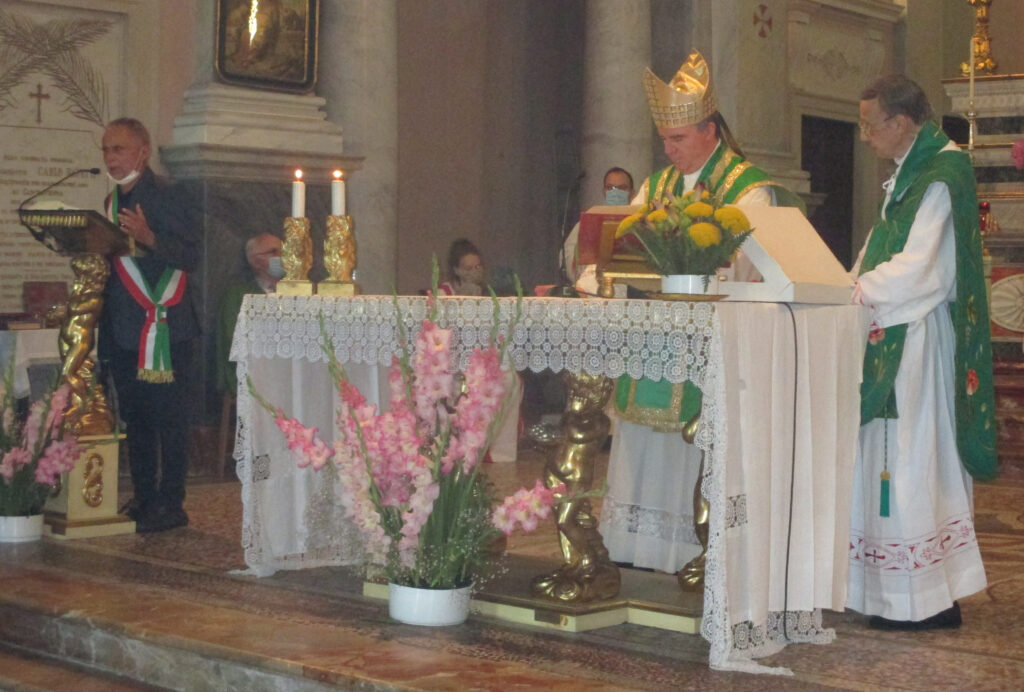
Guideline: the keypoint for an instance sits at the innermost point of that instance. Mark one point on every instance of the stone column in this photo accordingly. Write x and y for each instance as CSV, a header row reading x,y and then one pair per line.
x,y
359,79
616,120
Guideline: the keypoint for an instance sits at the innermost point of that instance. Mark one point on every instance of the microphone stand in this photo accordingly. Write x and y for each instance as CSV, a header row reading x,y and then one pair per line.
x,y
567,288
90,171
21,207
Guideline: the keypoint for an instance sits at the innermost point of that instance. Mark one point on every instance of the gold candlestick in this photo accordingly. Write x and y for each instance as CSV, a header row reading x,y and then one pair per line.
x,y
339,258
982,53
297,258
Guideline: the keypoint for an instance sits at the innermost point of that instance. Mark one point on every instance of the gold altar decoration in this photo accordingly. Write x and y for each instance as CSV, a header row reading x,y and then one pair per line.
x,y
981,42
85,503
297,258
339,258
88,412
691,576
587,574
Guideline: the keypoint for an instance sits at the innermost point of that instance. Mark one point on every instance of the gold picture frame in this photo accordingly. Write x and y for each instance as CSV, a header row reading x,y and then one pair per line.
x,y
268,44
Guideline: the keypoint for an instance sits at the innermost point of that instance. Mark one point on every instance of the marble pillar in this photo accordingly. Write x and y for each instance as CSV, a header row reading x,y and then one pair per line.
x,y
235,149
616,119
359,79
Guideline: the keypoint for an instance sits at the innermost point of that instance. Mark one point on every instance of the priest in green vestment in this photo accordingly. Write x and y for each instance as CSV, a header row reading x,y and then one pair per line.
x,y
927,398
647,516
264,269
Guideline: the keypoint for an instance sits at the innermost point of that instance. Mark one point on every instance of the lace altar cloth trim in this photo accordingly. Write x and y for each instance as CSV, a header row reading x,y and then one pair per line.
x,y
640,338
898,555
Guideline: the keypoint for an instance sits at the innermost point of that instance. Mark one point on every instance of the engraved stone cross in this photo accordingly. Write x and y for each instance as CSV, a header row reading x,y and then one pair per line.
x,y
39,96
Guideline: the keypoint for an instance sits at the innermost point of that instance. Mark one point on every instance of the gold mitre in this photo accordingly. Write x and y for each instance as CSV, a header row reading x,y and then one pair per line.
x,y
687,99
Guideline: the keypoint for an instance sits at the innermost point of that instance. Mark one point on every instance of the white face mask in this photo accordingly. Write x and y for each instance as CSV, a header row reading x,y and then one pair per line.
x,y
130,178
275,267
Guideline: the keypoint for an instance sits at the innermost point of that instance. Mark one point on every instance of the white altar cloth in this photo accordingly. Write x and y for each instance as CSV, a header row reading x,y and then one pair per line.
x,y
779,511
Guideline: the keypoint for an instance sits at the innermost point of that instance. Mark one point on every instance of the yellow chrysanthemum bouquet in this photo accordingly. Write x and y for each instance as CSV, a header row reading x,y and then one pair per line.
x,y
687,234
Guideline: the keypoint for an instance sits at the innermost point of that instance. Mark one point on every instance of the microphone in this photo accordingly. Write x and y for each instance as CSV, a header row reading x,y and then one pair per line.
x,y
90,171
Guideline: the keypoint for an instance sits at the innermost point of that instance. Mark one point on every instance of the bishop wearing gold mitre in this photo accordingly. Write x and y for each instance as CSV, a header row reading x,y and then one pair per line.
x,y
648,514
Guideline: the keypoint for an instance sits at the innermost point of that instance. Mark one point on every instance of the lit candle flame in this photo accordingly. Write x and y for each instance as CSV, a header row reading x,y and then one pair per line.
x,y
298,174
339,175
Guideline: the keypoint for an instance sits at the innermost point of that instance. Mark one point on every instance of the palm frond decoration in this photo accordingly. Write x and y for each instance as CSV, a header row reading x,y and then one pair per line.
x,y
14,67
53,48
82,85
64,36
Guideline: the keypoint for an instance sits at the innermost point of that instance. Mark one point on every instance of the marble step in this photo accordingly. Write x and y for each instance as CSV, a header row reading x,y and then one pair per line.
x,y
118,656
24,672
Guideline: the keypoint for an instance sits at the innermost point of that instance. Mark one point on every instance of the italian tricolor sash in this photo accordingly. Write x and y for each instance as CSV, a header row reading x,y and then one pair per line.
x,y
155,342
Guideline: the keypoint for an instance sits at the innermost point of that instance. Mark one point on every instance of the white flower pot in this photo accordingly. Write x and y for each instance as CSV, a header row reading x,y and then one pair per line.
x,y
692,284
21,529
432,607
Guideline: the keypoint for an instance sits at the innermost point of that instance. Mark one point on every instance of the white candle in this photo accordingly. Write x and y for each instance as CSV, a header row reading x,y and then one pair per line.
x,y
298,196
338,194
971,71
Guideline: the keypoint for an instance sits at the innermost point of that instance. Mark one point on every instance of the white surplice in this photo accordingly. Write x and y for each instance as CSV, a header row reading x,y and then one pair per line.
x,y
917,561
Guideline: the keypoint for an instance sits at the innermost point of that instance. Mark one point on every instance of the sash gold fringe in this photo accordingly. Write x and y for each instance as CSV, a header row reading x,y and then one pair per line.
x,y
156,376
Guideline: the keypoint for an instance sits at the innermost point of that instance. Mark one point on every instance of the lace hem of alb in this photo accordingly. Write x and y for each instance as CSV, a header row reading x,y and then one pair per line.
x,y
644,521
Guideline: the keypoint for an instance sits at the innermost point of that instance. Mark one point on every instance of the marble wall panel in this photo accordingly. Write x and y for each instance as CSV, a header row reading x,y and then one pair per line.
x,y
59,82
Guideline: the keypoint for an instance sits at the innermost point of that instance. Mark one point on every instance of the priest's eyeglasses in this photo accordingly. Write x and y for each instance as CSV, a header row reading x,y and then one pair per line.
x,y
868,128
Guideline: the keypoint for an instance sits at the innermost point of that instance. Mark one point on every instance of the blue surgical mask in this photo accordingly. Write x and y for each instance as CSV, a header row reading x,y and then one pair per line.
x,y
615,197
275,267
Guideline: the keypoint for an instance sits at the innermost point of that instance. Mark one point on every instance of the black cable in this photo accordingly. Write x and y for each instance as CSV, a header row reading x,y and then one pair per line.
x,y
792,472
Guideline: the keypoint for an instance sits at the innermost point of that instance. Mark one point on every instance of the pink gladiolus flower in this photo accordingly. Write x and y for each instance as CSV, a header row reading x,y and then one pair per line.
x,y
525,507
304,442
14,460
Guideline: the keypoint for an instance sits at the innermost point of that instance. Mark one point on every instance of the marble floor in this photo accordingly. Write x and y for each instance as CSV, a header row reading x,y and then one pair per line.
x,y
165,611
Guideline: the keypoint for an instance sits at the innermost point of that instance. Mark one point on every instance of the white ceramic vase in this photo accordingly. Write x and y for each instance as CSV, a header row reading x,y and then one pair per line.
x,y
431,607
21,529
692,284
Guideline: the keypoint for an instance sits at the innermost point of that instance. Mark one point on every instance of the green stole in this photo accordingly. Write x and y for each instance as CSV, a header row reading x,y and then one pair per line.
x,y
974,390
727,176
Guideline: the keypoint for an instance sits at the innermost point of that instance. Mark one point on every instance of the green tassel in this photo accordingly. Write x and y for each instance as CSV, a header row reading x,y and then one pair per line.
x,y
883,509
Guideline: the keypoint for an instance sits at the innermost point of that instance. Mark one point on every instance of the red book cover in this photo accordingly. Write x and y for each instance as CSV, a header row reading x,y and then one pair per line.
x,y
592,221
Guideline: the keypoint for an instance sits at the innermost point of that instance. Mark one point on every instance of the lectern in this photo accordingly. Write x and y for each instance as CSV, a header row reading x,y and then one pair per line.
x,y
85,502
74,231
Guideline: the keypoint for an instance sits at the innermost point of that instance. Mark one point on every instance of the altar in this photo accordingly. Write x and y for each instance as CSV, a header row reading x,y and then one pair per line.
x,y
779,428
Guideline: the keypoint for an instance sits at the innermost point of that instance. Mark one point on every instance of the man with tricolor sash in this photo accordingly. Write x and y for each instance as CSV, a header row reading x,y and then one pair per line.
x,y
647,518
148,325
927,397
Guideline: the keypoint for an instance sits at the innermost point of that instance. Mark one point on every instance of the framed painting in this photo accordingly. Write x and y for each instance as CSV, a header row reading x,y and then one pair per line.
x,y
267,44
